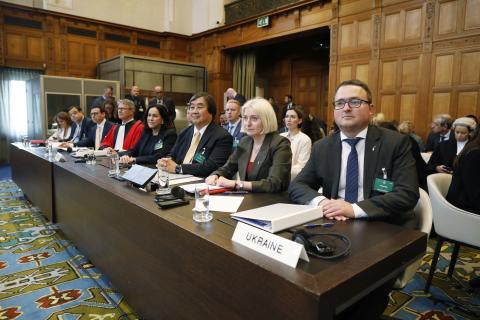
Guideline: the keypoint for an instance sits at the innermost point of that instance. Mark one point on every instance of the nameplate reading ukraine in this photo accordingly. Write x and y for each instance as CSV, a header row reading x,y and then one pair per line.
x,y
268,244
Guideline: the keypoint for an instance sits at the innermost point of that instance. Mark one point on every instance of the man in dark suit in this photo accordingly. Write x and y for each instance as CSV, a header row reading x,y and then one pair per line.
x,y
107,94
202,147
441,129
166,101
234,124
97,133
138,101
234,95
366,172
81,124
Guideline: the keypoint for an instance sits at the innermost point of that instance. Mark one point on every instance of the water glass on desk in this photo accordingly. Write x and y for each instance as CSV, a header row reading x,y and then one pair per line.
x,y
114,164
163,182
201,211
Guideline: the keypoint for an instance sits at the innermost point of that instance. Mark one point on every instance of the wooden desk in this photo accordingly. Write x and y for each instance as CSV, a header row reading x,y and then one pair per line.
x,y
32,172
168,266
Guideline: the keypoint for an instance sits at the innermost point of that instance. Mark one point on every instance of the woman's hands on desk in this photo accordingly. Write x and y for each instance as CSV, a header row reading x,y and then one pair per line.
x,y
220,182
127,160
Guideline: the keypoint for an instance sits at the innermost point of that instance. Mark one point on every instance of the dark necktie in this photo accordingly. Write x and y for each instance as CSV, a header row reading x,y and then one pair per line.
x,y
442,138
351,185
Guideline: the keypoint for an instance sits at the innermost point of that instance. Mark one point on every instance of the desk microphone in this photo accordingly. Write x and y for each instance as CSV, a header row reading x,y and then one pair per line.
x,y
178,192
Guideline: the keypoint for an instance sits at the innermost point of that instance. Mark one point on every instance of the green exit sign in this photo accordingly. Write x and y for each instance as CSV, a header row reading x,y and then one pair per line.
x,y
263,22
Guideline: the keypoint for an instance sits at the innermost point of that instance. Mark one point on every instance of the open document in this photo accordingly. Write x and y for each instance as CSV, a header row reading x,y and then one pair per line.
x,y
279,216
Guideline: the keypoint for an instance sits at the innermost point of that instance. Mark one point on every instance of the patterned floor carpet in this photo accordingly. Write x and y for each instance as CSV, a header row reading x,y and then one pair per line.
x,y
43,276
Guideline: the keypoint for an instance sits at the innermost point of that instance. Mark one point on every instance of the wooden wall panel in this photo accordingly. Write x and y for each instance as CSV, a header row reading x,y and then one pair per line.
x,y
348,37
472,14
407,107
389,75
392,28
447,17
410,69
441,103
470,68
345,73
413,24
443,70
467,103
361,72
15,45
387,107
364,33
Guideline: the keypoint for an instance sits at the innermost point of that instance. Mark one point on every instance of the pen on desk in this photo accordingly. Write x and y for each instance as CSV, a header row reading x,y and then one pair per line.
x,y
313,225
235,192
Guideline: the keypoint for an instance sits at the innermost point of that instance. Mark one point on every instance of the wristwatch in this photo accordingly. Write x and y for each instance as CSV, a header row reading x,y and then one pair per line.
x,y
178,168
239,185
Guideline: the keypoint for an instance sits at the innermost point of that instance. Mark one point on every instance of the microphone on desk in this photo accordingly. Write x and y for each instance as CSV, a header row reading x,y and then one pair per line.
x,y
178,192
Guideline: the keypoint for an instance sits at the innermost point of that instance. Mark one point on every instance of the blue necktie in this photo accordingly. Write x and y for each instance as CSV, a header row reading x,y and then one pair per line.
x,y
351,185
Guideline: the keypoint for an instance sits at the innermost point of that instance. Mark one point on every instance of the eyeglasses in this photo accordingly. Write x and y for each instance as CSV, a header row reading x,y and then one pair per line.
x,y
198,106
123,109
352,103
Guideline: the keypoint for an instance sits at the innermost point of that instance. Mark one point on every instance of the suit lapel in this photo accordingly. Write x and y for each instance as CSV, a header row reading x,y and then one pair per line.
x,y
262,154
372,150
184,149
237,129
205,137
335,163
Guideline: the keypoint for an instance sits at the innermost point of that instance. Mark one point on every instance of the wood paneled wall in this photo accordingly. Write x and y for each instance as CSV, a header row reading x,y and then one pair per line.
x,y
70,46
420,58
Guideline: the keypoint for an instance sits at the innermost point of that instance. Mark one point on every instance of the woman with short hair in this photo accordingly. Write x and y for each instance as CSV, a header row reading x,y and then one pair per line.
x,y
263,158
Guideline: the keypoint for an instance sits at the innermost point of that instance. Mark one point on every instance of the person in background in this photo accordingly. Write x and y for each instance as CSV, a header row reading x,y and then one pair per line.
x,y
420,164
161,99
311,128
234,95
202,147
81,124
223,119
408,128
156,141
234,121
444,155
111,113
107,95
464,191
138,101
300,143
378,119
64,127
441,129
263,158
124,136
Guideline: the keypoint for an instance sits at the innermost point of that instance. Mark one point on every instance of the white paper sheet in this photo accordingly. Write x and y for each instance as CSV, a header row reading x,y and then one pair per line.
x,y
225,203
184,180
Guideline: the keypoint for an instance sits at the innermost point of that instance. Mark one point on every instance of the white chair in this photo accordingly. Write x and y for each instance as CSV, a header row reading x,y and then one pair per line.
x,y
422,222
451,223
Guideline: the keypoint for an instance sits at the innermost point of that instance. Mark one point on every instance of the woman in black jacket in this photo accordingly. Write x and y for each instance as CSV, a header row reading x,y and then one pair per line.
x,y
156,141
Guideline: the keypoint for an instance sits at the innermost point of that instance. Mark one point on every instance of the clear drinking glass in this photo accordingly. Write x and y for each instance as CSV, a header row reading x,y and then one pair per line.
x,y
201,211
163,182
114,164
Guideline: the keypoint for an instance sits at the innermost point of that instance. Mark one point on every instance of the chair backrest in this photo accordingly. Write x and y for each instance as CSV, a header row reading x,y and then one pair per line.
x,y
449,221
423,213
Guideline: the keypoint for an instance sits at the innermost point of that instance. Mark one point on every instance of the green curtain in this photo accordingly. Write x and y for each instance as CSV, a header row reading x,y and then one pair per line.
x,y
244,74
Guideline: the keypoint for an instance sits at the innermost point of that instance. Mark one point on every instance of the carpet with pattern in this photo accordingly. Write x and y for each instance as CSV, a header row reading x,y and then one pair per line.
x,y
43,276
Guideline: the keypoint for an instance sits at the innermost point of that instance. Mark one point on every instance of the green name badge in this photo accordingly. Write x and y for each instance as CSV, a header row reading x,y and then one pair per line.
x,y
199,158
158,145
382,185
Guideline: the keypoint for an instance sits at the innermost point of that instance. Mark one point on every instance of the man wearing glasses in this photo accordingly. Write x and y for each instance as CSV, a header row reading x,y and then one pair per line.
x,y
202,147
97,133
364,171
125,135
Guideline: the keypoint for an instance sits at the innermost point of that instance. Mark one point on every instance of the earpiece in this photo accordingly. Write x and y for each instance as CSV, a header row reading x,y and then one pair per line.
x,y
178,192
317,248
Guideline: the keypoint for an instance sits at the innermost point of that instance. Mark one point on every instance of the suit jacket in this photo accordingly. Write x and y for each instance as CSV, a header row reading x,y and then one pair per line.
x,y
87,123
167,102
89,140
146,153
383,149
464,192
139,103
433,141
237,134
271,168
240,99
444,154
215,145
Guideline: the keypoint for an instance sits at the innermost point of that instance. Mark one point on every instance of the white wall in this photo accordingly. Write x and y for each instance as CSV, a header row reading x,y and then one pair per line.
x,y
178,16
